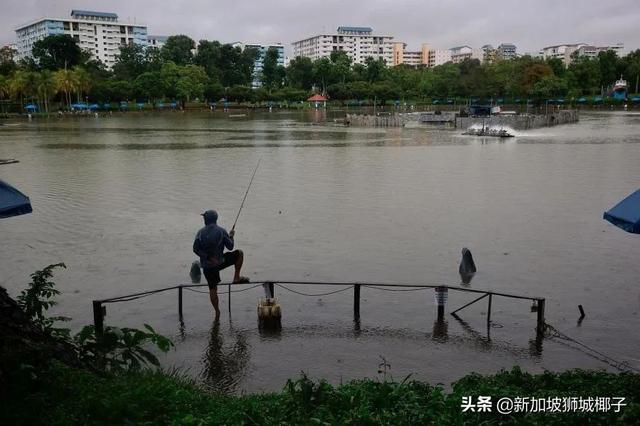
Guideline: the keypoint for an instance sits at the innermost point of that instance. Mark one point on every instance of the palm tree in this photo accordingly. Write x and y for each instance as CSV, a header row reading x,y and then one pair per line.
x,y
18,85
83,82
31,86
46,87
4,88
66,83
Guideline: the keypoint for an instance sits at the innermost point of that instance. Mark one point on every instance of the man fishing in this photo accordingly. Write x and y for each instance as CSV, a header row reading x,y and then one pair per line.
x,y
209,245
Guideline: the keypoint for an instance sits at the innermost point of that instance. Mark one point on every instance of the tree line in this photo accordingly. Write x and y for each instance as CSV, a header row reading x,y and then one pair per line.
x,y
185,71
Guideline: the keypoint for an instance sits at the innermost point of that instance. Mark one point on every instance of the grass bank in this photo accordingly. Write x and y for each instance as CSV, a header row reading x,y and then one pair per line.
x,y
66,396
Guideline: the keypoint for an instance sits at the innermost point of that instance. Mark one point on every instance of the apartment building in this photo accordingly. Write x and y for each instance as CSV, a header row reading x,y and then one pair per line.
x,y
98,33
359,43
566,52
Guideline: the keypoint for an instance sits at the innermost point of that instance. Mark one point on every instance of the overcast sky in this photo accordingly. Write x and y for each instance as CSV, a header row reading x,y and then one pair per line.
x,y
530,24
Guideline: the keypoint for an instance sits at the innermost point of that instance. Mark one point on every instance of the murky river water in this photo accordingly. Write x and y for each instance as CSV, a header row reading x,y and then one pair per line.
x,y
117,199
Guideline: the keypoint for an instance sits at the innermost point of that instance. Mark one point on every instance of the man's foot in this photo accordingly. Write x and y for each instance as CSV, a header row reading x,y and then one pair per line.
x,y
241,280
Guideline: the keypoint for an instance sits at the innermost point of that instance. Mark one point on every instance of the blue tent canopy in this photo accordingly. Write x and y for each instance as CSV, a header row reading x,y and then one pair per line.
x,y
12,201
626,214
94,107
582,100
31,107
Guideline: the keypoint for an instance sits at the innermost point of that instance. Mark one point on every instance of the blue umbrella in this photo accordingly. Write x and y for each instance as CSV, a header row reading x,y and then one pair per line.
x,y
12,201
31,107
626,214
94,107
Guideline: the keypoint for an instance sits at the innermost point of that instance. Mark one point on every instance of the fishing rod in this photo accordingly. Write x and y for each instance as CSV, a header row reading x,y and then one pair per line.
x,y
245,194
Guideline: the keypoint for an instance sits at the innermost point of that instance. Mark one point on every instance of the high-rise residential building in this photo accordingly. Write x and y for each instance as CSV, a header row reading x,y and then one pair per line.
x,y
506,51
439,57
414,58
566,52
156,40
359,43
460,53
259,62
98,33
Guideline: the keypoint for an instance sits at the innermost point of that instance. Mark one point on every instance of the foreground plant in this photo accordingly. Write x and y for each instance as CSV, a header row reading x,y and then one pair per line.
x,y
116,349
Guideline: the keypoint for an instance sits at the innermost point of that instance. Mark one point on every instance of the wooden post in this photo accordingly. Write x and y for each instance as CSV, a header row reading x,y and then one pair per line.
x,y
441,300
98,319
356,301
272,290
489,312
180,301
540,327
229,298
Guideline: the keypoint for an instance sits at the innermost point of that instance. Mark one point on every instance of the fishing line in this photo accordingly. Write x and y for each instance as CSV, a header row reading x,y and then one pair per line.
x,y
245,194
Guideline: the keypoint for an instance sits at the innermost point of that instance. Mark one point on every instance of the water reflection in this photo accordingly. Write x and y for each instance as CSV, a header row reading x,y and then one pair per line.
x,y
440,331
225,365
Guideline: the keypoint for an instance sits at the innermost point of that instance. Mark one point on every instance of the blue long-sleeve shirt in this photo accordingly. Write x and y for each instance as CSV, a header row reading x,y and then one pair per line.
x,y
210,243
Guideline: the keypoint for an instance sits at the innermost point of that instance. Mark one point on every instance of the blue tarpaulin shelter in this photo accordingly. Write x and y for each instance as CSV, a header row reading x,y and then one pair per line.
x,y
626,214
12,201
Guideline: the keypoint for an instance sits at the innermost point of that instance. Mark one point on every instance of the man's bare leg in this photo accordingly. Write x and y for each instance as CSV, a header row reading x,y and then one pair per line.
x,y
238,266
213,295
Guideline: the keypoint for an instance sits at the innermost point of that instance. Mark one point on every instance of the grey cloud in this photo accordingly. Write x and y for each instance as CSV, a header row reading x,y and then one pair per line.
x,y
443,23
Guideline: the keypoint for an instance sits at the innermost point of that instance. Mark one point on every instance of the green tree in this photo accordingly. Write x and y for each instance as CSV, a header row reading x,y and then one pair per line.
x,y
339,91
557,66
341,65
7,60
19,85
178,49
533,73
131,62
272,73
208,57
149,85
170,74
384,91
46,86
66,83
239,93
583,75
57,51
360,90
4,88
82,82
608,62
300,73
191,83
375,69
548,87
213,91
323,72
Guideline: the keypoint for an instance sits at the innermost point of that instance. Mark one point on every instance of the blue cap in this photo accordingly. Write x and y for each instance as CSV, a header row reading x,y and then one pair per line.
x,y
210,216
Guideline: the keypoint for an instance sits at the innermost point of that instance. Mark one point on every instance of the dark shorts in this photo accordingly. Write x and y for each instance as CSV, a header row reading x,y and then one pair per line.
x,y
213,274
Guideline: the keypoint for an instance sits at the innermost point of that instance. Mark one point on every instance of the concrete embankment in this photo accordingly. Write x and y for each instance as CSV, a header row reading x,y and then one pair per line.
x,y
521,122
453,120
367,120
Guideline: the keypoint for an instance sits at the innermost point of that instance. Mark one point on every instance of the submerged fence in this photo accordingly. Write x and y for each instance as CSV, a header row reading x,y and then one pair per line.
x,y
441,292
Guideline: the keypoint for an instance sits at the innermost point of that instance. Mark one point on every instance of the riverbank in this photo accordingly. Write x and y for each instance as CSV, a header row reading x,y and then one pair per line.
x,y
64,395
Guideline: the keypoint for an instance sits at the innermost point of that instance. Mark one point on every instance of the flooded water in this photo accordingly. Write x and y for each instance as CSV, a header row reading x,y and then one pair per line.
x,y
118,200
